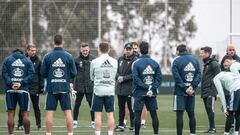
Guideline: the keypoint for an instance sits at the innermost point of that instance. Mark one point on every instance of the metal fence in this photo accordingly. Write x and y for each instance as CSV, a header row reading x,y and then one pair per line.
x,y
164,23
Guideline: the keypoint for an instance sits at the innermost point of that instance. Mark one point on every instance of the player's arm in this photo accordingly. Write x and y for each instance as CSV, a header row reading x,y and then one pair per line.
x,y
157,79
136,78
30,73
177,78
197,77
218,84
44,70
92,71
5,74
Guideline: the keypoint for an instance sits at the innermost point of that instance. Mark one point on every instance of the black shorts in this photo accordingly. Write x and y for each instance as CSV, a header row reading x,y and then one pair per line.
x,y
99,101
21,97
182,103
63,98
150,102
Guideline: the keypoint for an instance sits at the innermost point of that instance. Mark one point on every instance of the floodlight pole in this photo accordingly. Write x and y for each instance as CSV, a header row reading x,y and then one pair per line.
x,y
30,22
99,21
230,38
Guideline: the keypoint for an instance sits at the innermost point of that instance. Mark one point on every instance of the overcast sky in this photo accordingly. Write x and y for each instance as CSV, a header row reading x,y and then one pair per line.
x,y
213,21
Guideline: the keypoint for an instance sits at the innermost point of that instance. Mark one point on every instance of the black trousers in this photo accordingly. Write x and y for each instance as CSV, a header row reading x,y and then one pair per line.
x,y
209,107
36,108
78,101
121,104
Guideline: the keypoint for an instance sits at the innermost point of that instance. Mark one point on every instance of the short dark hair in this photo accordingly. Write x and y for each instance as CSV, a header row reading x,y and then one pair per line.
x,y
84,45
29,46
207,49
104,47
134,43
227,57
18,50
144,46
58,39
182,48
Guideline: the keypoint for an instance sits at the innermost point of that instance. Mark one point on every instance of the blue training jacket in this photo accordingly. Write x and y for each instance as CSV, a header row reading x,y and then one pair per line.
x,y
59,68
186,72
145,72
17,68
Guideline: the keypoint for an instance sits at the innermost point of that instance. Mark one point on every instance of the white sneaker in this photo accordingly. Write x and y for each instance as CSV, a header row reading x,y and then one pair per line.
x,y
75,124
92,124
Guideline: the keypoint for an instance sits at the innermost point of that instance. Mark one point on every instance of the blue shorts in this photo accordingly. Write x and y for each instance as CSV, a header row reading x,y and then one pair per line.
x,y
235,101
99,101
150,102
22,98
63,98
182,103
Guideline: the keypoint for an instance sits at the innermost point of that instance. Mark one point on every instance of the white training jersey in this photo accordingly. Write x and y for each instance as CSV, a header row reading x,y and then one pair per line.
x,y
235,67
229,81
103,72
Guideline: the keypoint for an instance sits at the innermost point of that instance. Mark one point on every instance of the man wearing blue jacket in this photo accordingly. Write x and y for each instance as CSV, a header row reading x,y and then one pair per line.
x,y
59,69
17,71
146,79
187,75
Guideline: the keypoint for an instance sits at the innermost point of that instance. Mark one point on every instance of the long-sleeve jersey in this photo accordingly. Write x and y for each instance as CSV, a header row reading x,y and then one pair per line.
x,y
146,72
103,72
17,68
59,68
229,81
186,72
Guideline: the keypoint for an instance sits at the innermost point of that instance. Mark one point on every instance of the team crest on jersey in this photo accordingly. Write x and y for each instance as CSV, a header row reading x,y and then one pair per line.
x,y
58,63
58,73
189,67
106,74
189,77
17,72
18,63
106,63
148,70
148,80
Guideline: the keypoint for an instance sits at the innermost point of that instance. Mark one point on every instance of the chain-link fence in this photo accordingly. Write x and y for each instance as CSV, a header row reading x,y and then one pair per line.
x,y
164,23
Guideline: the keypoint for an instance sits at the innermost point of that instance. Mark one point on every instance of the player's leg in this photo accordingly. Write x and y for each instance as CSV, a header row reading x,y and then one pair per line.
x,y
11,102
209,106
24,103
138,104
78,101
144,117
237,121
151,105
190,107
89,100
179,107
121,113
97,106
66,105
109,107
51,106
10,121
126,115
37,112
20,121
129,105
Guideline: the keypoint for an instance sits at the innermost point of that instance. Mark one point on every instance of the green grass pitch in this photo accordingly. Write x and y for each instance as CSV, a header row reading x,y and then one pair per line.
x,y
165,114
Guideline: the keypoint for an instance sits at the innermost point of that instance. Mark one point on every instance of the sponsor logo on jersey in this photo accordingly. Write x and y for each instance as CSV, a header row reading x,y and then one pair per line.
x,y
106,63
58,63
189,67
18,63
148,70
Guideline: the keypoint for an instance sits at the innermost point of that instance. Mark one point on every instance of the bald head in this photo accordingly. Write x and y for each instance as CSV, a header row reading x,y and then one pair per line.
x,y
231,50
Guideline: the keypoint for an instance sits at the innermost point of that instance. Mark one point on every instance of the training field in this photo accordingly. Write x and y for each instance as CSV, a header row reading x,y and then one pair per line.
x,y
166,118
